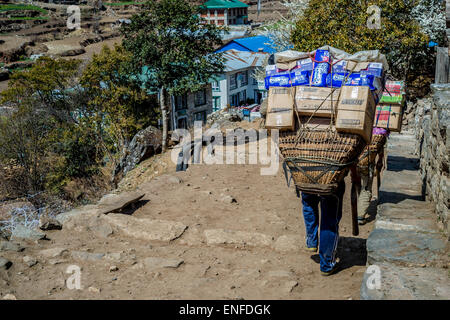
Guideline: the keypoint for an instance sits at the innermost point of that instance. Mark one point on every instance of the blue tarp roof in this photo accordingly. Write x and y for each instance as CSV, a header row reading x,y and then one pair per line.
x,y
251,44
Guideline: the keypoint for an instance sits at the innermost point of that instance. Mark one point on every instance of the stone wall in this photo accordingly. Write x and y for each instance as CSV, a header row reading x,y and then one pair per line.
x,y
432,129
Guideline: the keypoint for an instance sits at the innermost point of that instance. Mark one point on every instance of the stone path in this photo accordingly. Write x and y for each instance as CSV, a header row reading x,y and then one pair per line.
x,y
406,244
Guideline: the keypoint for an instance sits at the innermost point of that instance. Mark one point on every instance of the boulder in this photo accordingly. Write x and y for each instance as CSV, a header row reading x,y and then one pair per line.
x,y
10,246
147,229
117,202
49,223
5,264
144,144
22,232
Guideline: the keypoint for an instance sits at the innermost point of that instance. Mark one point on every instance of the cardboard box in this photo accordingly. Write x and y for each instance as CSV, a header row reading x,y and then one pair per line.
x,y
389,117
315,122
280,109
355,111
316,101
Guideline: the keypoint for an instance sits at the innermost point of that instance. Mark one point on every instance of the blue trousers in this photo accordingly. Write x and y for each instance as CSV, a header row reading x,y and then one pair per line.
x,y
331,210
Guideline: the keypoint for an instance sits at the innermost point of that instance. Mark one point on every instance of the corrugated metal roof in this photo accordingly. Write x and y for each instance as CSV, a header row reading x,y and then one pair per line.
x,y
251,44
256,43
224,4
237,60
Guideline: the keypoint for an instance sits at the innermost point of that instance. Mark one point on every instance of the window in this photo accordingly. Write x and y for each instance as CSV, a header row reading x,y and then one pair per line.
x,y
233,81
200,116
244,96
216,86
200,97
216,103
181,102
244,78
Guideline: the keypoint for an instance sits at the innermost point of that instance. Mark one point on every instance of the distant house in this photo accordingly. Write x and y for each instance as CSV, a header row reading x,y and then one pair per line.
x,y
253,44
190,107
237,85
225,12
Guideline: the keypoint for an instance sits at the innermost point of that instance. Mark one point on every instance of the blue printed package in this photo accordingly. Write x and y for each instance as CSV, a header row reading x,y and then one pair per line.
x,y
335,80
304,65
281,79
374,69
340,66
271,70
300,78
321,68
357,79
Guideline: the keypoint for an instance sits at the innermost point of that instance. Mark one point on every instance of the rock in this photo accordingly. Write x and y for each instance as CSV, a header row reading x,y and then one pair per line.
x,y
290,285
10,246
288,243
53,252
144,145
228,199
117,202
114,256
222,236
94,290
87,256
55,261
48,223
65,216
154,263
93,222
9,296
113,268
30,261
22,232
147,229
5,264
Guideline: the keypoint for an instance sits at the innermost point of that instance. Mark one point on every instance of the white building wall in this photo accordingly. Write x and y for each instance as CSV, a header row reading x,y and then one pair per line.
x,y
226,92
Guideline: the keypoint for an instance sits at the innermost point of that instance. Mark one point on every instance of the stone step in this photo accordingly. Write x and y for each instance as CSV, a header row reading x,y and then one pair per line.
x,y
401,283
404,247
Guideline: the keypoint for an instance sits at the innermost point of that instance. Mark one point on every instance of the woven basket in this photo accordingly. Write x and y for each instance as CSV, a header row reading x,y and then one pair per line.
x,y
319,159
370,151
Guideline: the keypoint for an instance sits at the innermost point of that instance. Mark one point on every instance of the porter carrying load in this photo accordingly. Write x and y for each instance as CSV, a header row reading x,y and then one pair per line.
x,y
331,84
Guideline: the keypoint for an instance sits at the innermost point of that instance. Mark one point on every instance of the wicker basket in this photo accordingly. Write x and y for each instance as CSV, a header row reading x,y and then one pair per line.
x,y
370,151
319,159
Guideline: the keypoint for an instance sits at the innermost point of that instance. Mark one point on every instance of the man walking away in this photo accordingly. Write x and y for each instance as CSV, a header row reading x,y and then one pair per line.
x,y
331,214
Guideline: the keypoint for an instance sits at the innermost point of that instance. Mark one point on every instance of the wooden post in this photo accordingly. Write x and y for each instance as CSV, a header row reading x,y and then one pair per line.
x,y
442,65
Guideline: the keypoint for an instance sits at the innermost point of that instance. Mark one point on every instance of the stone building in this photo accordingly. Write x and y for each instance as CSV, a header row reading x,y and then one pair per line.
x,y
190,107
225,12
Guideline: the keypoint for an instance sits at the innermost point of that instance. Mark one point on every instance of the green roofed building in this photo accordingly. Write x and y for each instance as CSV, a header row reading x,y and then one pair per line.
x,y
225,12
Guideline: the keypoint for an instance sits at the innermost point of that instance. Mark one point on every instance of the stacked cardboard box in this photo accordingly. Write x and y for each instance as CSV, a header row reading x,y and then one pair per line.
x,y
389,112
280,109
356,109
344,92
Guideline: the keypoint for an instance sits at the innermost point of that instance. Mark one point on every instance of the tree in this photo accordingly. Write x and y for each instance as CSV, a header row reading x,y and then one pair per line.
x,y
118,106
38,102
172,49
343,24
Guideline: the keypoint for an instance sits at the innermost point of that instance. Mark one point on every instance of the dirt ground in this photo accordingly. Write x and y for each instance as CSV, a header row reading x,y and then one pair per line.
x,y
264,205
